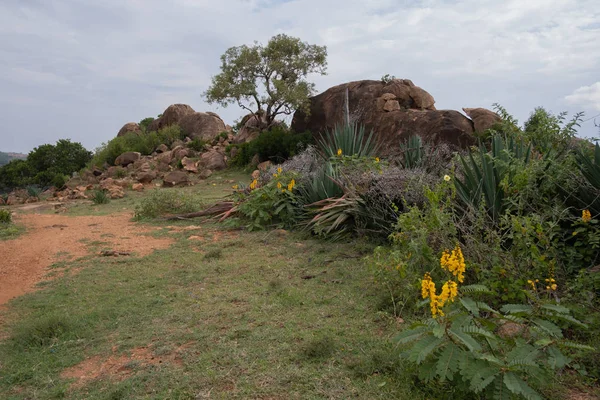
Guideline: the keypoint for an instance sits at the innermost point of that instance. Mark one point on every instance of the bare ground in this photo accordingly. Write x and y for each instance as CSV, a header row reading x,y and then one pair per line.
x,y
51,238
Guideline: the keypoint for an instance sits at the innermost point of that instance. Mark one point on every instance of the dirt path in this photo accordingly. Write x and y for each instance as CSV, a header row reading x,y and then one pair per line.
x,y
51,238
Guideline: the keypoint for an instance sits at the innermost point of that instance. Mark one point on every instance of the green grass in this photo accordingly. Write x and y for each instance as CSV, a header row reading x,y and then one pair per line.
x,y
251,315
10,231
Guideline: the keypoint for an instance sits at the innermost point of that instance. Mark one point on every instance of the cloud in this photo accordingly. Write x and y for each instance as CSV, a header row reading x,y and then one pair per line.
x,y
586,96
113,61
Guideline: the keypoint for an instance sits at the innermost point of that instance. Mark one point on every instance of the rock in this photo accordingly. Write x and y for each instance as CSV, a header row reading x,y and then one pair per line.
x,y
263,166
171,116
368,99
205,174
255,160
145,173
203,126
179,153
255,174
233,152
213,160
106,183
162,148
189,165
124,183
115,192
2,202
175,178
127,158
96,171
510,330
251,128
482,118
391,105
138,187
130,127
165,158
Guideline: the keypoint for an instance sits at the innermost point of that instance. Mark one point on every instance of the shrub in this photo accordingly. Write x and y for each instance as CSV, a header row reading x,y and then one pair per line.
x,y
144,144
5,217
348,140
34,191
162,202
276,144
101,197
197,144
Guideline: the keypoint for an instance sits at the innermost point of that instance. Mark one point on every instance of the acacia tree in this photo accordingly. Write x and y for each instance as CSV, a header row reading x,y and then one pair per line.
x,y
268,80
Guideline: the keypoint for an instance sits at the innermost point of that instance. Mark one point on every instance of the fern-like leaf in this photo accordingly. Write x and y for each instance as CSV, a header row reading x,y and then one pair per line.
x,y
424,348
556,308
518,386
470,305
465,339
577,346
449,362
475,289
548,327
410,335
517,309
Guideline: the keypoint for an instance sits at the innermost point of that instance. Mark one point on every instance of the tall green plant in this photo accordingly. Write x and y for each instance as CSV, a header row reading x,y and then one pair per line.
x,y
348,140
413,155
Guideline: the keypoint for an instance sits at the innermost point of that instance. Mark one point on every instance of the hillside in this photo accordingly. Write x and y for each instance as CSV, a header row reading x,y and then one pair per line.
x,y
7,157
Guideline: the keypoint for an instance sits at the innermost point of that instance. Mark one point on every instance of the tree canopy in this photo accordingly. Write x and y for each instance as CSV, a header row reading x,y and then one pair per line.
x,y
268,80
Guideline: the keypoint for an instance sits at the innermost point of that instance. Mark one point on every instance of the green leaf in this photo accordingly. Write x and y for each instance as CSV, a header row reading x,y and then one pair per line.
x,y
449,362
570,319
410,335
465,339
427,371
501,392
486,307
516,308
470,305
557,359
483,379
557,308
424,348
573,345
548,327
475,289
518,386
478,331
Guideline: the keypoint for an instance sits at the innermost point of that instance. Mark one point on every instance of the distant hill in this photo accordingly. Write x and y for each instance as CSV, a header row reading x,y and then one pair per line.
x,y
5,158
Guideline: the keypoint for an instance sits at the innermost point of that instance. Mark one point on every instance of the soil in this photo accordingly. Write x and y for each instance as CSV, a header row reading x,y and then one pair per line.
x,y
51,238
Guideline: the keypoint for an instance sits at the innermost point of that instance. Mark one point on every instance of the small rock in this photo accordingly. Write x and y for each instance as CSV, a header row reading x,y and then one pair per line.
x,y
138,187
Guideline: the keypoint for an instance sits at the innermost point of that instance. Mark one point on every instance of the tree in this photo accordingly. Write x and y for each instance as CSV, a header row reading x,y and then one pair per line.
x,y
145,123
268,80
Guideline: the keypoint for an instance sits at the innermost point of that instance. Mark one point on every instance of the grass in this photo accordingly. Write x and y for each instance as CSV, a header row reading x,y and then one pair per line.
x,y
10,231
238,314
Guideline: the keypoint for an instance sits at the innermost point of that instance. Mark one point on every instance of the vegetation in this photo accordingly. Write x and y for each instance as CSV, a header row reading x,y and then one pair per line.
x,y
276,144
100,197
163,202
268,80
46,165
144,144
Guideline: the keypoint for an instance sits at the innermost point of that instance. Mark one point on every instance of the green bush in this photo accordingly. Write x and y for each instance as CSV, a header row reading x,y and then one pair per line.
x,y
197,144
101,197
5,217
276,144
144,144
160,202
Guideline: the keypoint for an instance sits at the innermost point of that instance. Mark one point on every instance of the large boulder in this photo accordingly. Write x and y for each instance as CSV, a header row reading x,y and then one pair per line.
x,y
176,178
213,160
482,118
251,125
145,173
130,127
127,158
394,111
171,116
203,126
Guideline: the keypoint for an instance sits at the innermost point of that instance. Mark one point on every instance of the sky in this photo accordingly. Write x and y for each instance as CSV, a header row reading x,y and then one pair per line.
x,y
81,69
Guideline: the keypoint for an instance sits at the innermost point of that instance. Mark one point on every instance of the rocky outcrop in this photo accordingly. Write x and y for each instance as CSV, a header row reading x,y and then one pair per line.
x,y
394,111
171,116
130,127
203,126
251,127
482,118
127,158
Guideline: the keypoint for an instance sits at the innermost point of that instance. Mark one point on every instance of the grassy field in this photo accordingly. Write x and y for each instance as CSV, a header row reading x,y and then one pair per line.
x,y
220,314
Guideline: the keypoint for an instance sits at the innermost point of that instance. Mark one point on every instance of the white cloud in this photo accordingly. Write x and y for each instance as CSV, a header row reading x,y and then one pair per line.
x,y
586,96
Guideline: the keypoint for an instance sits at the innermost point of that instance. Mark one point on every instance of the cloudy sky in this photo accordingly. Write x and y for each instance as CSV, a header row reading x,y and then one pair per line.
x,y
81,69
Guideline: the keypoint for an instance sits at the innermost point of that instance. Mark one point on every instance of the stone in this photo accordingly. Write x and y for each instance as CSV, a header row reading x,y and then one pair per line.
x,y
202,126
482,118
255,174
171,116
127,158
189,165
233,152
162,148
213,160
165,158
265,165
251,128
138,187
115,192
205,174
130,127
391,105
180,152
175,178
367,100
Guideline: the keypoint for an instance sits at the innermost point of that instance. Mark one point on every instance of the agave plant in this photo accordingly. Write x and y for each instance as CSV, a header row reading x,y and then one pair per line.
x,y
322,185
349,140
413,154
484,172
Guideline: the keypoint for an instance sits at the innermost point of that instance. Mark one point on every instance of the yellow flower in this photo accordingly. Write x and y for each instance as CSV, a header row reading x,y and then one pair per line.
x,y
377,159
234,187
254,184
586,216
339,152
454,262
278,185
279,170
275,175
282,190
291,185
447,178
554,286
425,285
